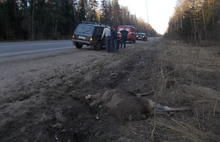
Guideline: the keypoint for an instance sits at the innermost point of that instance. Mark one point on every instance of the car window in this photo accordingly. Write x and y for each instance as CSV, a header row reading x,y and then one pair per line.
x,y
98,31
127,29
84,30
141,34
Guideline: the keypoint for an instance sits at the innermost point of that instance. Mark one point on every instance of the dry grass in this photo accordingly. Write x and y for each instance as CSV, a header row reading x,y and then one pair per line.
x,y
190,76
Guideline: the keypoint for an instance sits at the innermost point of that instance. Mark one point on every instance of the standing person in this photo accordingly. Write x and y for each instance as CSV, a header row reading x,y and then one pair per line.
x,y
114,39
118,42
107,34
124,34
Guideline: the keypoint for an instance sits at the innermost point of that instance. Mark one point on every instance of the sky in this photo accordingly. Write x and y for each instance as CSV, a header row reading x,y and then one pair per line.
x,y
159,11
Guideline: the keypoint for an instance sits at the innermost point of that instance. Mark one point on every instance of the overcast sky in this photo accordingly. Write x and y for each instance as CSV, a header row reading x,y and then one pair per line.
x,y
159,11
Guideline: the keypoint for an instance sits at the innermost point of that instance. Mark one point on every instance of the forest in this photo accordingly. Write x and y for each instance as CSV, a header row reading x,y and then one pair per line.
x,y
56,19
195,21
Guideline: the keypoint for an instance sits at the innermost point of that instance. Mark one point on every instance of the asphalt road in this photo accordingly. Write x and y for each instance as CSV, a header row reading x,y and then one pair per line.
x,y
20,48
8,49
35,49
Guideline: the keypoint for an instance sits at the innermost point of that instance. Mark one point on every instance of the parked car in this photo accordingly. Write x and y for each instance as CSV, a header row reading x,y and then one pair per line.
x,y
132,32
88,33
142,36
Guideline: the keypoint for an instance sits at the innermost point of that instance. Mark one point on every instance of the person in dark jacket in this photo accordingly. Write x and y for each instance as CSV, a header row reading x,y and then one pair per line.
x,y
124,34
114,39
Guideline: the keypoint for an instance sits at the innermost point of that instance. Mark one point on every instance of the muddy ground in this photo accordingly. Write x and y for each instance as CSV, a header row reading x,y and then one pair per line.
x,y
38,100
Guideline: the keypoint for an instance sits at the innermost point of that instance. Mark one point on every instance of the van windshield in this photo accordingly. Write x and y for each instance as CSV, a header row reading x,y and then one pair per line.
x,y
127,29
83,29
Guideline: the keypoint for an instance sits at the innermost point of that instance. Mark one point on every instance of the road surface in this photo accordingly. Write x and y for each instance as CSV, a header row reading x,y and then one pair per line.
x,y
21,48
34,49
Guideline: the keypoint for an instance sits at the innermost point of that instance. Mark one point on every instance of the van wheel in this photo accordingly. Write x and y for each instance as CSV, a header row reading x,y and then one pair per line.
x,y
98,46
78,45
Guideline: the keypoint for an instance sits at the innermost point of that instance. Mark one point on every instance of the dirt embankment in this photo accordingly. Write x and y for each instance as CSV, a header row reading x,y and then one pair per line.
x,y
38,97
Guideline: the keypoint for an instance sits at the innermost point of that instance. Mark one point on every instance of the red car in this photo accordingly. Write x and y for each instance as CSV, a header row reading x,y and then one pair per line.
x,y
132,32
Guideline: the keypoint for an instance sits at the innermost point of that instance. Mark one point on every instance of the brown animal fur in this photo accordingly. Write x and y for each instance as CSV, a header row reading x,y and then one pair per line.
x,y
128,105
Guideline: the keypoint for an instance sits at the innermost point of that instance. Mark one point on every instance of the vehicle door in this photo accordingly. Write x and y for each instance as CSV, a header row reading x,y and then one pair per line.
x,y
98,35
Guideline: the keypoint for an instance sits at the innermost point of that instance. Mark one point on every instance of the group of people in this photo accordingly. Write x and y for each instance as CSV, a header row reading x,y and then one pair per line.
x,y
112,42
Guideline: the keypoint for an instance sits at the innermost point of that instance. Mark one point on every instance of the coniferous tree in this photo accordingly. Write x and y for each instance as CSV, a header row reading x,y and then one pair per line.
x,y
92,8
116,13
81,10
105,14
56,19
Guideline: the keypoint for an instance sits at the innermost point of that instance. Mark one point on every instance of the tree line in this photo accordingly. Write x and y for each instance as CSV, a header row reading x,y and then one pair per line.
x,y
195,21
56,19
